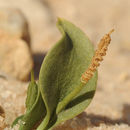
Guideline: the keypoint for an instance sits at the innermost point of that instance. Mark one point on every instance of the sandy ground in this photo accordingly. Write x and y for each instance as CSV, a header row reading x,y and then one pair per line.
x,y
110,108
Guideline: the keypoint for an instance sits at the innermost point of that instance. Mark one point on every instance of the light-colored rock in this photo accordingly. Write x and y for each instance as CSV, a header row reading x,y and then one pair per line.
x,y
15,57
42,25
14,23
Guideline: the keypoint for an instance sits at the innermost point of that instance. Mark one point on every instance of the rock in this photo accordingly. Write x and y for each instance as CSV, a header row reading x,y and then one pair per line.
x,y
42,25
14,23
15,57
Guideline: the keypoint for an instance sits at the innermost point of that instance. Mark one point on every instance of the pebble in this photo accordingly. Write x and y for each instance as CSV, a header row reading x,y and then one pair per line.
x,y
14,23
15,57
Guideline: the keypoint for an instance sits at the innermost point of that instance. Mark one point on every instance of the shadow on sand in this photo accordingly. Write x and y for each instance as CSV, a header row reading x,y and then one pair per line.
x,y
38,59
83,121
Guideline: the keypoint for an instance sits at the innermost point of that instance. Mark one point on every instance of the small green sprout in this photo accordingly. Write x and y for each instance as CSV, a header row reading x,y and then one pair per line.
x,y
65,88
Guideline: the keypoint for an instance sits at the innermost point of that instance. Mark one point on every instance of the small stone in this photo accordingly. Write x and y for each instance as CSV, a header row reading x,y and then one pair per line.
x,y
15,57
14,23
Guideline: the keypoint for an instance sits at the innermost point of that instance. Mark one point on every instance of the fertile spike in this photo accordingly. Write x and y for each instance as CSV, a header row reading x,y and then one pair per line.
x,y
97,58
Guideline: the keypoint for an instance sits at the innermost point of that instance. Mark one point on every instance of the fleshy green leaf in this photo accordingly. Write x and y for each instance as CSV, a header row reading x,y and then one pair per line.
x,y
34,115
35,108
62,91
78,104
31,93
60,94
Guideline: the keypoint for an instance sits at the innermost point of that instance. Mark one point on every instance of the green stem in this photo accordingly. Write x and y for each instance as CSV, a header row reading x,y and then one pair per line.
x,y
44,123
32,76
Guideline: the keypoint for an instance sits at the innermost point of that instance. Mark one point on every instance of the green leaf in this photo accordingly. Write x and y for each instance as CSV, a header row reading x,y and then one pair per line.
x,y
31,93
62,91
78,104
34,115
35,108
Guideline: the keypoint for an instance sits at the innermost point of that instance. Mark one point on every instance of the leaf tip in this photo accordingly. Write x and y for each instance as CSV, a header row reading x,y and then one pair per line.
x,y
59,20
60,24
